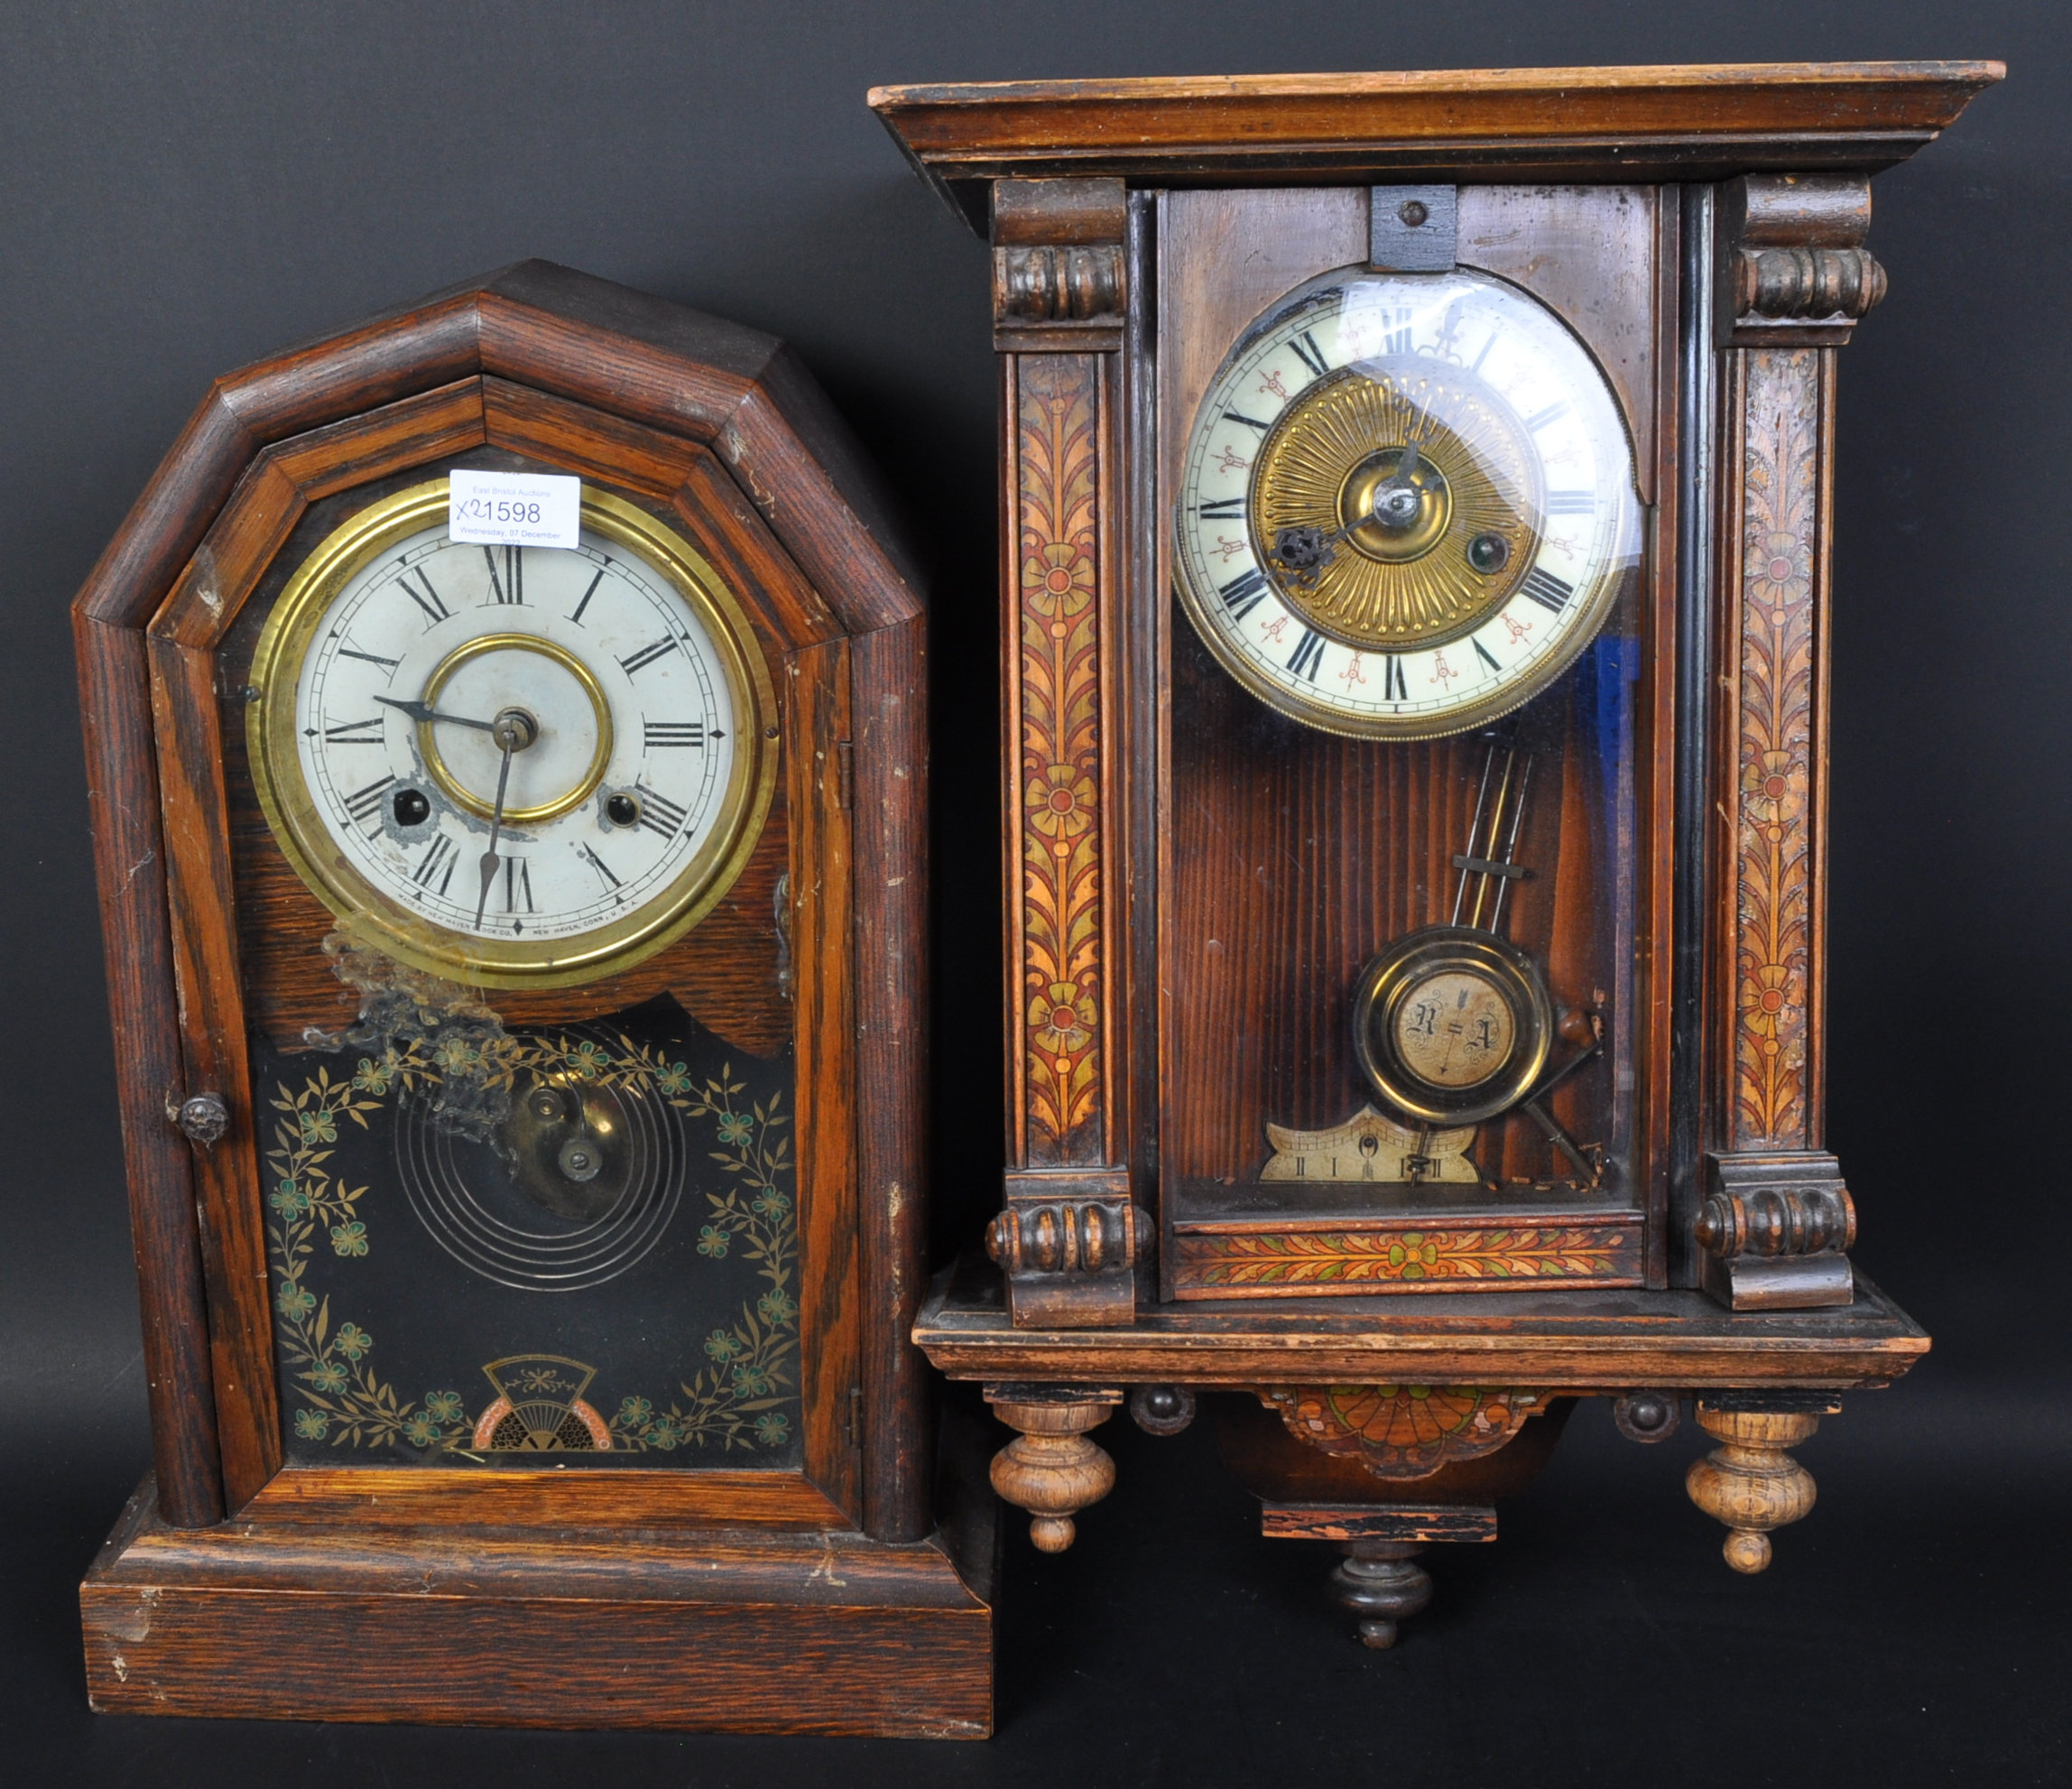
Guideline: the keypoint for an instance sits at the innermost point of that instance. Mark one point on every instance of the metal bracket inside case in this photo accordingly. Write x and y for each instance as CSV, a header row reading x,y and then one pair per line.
x,y
1413,229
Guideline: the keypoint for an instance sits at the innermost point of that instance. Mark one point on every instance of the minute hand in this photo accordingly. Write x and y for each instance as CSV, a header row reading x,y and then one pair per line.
x,y
423,711
507,736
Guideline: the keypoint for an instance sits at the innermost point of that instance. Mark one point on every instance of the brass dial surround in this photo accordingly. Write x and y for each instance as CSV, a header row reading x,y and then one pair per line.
x,y
1347,626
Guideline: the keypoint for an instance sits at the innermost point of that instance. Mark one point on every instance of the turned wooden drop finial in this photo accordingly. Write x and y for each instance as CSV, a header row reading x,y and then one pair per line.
x,y
1051,1469
1750,1483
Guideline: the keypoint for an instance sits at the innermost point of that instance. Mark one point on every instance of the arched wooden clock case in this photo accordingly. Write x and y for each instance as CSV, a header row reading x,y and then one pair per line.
x,y
417,1458
1243,876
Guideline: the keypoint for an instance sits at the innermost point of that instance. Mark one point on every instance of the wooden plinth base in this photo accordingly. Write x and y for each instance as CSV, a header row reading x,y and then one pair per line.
x,y
732,1632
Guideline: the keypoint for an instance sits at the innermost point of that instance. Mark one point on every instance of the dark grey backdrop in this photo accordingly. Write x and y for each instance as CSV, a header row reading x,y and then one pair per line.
x,y
183,189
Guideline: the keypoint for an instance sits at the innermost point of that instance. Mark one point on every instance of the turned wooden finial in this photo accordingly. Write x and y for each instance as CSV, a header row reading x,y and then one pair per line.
x,y
1750,1483
1051,1469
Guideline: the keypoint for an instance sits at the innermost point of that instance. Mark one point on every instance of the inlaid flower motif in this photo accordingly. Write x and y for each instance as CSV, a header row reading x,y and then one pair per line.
x,y
635,1410
712,1241
295,1301
1062,802
665,1434
349,1238
1063,1019
776,1307
311,1425
1766,999
772,1427
1780,568
421,1430
735,1127
722,1345
1058,580
352,1341
318,1126
327,1375
289,1199
1775,787
769,1203
751,1380
375,1078
673,1078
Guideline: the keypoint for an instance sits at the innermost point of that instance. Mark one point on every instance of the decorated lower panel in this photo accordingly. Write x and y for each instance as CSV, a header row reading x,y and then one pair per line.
x,y
1251,1260
488,1244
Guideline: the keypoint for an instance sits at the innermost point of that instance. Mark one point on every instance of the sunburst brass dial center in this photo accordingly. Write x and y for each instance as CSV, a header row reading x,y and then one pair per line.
x,y
1386,479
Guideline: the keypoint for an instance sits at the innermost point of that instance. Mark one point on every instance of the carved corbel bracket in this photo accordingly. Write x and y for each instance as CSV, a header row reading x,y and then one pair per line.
x,y
1403,1431
1775,1230
1790,263
1058,280
1067,1243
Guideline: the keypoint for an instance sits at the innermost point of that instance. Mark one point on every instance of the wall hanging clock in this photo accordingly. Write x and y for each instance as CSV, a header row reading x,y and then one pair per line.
x,y
1418,496
505,731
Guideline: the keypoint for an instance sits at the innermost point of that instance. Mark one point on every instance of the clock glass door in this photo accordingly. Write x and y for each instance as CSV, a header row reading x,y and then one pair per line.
x,y
1402,888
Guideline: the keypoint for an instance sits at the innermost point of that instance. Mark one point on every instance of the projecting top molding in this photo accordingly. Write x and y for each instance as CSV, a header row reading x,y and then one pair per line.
x,y
1696,123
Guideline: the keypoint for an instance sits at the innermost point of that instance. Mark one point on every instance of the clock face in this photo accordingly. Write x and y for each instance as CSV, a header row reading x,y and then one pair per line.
x,y
1455,1029
520,765
1407,503
1452,1024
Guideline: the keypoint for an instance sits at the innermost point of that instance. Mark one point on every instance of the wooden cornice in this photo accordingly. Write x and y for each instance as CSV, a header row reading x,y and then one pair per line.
x,y
556,330
1686,122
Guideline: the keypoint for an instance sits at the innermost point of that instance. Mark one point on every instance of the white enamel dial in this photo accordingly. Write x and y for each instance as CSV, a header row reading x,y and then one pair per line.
x,y
625,690
1406,505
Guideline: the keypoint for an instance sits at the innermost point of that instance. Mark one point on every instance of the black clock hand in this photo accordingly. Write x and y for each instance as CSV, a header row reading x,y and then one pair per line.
x,y
424,712
510,731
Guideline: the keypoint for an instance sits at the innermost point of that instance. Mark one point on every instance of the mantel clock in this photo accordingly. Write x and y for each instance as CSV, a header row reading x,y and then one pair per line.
x,y
506,734
1418,495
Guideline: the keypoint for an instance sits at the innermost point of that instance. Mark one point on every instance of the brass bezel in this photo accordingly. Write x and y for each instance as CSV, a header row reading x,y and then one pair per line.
x,y
1414,958
305,840
1594,606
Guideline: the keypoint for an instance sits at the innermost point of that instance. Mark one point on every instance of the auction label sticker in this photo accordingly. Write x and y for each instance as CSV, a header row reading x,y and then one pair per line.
x,y
513,509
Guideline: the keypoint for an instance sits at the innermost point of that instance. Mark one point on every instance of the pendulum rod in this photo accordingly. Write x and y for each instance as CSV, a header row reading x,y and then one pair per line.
x,y
1487,860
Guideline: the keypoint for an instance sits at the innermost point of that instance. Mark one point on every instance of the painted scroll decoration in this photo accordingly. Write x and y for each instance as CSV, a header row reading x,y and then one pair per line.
x,y
1774,855
1061,994
1238,1259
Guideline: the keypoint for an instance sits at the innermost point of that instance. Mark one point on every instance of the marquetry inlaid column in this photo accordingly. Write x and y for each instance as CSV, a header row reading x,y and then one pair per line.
x,y
1067,1235
1792,277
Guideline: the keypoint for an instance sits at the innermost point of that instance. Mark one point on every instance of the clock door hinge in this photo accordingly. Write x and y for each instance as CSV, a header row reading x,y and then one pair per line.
x,y
856,1416
845,773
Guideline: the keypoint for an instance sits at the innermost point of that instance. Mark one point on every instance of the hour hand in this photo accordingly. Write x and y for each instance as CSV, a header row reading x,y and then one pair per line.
x,y
425,712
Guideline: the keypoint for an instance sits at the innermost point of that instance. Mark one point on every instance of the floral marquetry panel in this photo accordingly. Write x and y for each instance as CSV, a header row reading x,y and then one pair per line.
x,y
1238,1261
485,1246
1777,787
1057,831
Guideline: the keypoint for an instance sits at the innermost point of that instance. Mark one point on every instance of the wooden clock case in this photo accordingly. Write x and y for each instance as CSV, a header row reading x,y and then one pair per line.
x,y
1703,230
821,1600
